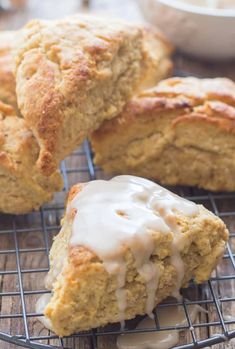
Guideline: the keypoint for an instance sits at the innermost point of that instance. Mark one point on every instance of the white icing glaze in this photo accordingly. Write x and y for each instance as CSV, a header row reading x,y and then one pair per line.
x,y
168,316
151,274
123,213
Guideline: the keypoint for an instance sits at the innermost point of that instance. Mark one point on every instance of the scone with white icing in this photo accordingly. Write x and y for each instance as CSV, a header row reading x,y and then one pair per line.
x,y
72,74
125,245
181,132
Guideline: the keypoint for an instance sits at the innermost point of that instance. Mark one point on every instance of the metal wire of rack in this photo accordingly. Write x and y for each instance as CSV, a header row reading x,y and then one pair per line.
x,y
24,248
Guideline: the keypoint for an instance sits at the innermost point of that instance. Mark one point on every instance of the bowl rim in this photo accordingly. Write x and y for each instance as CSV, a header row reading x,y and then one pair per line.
x,y
206,11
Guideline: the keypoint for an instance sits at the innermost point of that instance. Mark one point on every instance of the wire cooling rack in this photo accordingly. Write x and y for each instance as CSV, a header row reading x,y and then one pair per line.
x,y
24,246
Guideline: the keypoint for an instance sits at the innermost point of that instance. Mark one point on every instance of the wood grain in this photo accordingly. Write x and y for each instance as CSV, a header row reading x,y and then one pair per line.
x,y
36,239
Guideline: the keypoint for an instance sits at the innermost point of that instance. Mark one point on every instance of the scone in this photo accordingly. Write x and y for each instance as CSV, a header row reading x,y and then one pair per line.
x,y
8,41
181,132
125,245
22,187
74,73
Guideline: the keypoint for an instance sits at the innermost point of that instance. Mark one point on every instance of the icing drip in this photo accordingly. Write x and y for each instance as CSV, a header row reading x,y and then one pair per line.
x,y
123,213
151,274
178,263
168,316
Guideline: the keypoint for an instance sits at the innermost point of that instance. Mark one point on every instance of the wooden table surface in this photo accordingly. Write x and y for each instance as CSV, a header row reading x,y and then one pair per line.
x,y
125,9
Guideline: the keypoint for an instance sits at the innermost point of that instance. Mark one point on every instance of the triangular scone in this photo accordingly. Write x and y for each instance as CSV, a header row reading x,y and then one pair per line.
x,y
8,42
74,73
125,245
181,132
22,187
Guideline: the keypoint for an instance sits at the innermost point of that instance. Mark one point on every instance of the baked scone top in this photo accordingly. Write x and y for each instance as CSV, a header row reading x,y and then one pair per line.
x,y
8,40
213,99
69,73
197,89
209,97
158,57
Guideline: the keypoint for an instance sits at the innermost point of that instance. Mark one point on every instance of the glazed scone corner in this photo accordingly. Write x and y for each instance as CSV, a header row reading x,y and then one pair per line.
x,y
84,293
181,132
23,187
74,73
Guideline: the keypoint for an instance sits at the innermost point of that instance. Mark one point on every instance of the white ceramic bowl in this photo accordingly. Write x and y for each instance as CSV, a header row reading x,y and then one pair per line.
x,y
199,31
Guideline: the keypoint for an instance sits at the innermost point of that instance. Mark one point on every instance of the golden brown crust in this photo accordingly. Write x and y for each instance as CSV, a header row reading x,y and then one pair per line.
x,y
84,293
139,108
8,40
74,73
162,128
23,188
158,63
198,90
74,191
